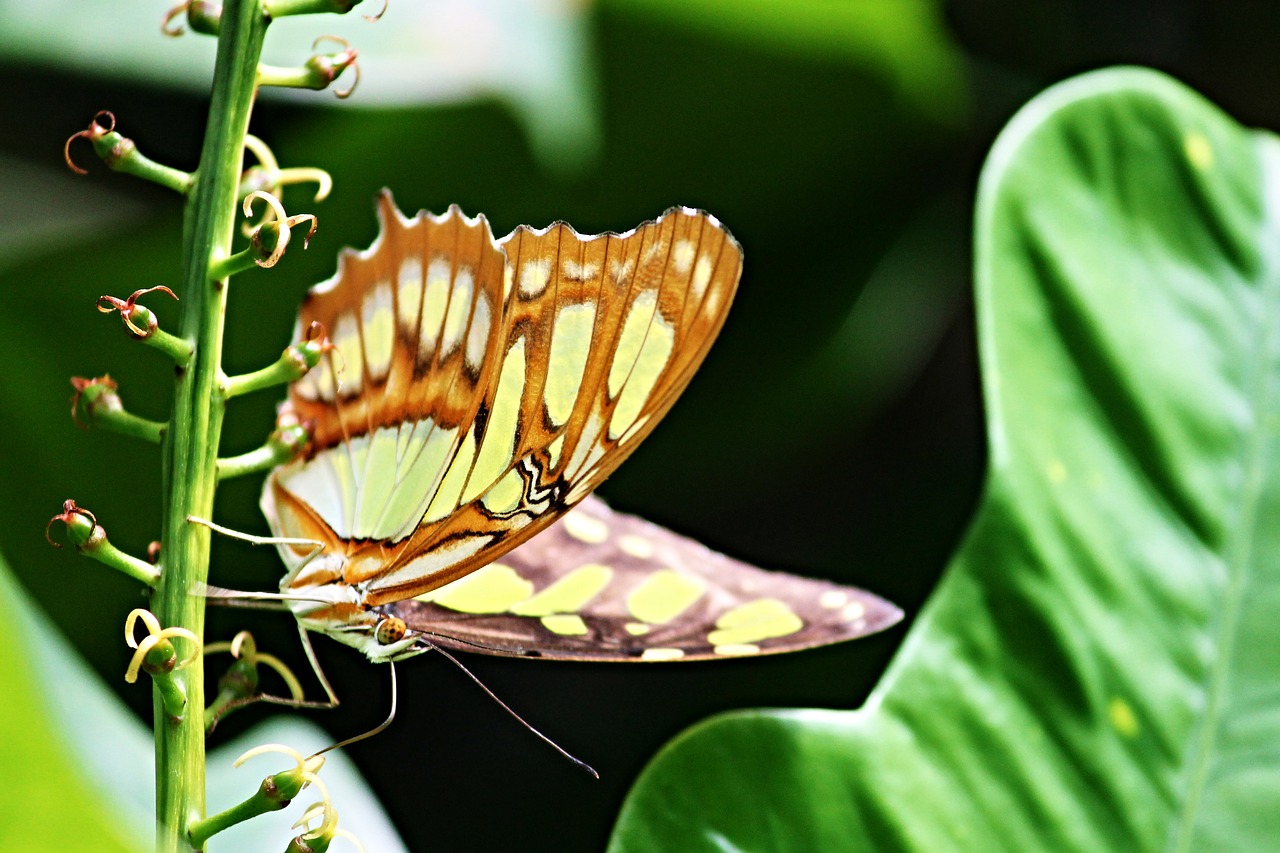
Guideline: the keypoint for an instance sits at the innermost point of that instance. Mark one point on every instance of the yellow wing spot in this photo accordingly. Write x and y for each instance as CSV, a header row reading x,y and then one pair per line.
x,y
459,310
504,496
1198,150
569,593
567,361
1056,471
833,599
661,654
446,497
1122,717
478,334
554,449
376,481
346,339
682,256
762,619
379,330
409,295
534,276
640,374
492,589
417,472
663,596
499,441
636,546
584,528
565,624
853,611
701,276
435,302
631,339
637,629
736,650
574,271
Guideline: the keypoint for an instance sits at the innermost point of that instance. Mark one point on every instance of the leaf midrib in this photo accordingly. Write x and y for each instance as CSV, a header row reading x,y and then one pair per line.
x,y
1240,548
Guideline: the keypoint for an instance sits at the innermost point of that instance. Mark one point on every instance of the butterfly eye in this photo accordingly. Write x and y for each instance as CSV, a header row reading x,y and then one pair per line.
x,y
390,630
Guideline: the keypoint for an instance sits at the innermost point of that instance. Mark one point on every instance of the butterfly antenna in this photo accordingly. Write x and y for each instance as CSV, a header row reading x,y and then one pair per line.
x,y
580,763
379,729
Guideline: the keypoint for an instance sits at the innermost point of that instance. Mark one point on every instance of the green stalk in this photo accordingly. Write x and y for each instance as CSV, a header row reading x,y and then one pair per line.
x,y
191,443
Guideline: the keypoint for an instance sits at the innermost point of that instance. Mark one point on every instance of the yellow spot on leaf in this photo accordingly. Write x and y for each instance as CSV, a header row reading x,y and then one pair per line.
x,y
754,621
1056,471
565,624
493,589
584,528
1122,717
1198,150
569,593
661,654
663,596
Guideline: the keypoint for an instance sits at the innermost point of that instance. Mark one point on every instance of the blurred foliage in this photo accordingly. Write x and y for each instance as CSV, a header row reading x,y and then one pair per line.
x,y
1097,670
833,431
78,763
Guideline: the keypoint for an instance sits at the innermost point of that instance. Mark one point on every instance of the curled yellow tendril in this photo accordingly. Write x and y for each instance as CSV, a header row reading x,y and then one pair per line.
x,y
286,225
242,645
155,634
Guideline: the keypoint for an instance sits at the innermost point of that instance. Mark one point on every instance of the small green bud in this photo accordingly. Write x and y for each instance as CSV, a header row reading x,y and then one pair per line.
x,y
83,531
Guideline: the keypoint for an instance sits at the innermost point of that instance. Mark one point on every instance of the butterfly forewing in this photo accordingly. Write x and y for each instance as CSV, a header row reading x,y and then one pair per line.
x,y
477,390
604,586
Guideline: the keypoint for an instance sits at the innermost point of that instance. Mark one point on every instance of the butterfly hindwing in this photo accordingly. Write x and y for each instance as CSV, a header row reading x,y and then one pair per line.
x,y
478,389
599,585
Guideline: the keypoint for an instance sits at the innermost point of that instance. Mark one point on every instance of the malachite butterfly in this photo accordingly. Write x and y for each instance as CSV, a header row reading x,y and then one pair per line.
x,y
477,391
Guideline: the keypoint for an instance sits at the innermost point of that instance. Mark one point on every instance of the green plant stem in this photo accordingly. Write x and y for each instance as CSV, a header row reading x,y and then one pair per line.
x,y
122,422
288,367
109,555
275,793
191,443
172,345
263,458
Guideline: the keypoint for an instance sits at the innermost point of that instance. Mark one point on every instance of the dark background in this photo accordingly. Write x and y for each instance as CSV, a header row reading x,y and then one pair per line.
x,y
835,430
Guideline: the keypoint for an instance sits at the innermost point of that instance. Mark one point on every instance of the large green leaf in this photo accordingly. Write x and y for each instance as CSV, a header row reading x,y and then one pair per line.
x,y
1098,670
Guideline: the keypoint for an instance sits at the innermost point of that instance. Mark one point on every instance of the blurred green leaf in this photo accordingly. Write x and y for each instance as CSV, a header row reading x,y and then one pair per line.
x,y
904,41
1098,669
78,765
51,802
534,57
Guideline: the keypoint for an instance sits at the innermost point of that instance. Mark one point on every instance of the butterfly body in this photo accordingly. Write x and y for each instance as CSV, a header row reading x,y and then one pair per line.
x,y
478,390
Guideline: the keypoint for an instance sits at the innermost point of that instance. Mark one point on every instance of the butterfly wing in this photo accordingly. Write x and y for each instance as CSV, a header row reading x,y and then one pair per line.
x,y
479,389
599,585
